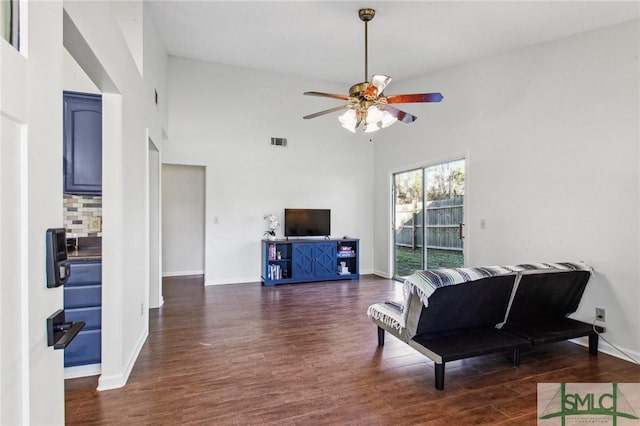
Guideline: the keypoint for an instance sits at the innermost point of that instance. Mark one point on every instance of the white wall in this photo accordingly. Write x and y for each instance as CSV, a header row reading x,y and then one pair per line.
x,y
93,36
223,118
551,134
12,363
129,16
155,80
183,200
75,79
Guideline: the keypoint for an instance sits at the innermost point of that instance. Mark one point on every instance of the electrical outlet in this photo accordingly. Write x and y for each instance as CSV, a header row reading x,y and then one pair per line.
x,y
95,224
600,314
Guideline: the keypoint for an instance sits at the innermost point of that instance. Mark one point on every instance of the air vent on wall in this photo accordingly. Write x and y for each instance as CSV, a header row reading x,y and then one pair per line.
x,y
279,142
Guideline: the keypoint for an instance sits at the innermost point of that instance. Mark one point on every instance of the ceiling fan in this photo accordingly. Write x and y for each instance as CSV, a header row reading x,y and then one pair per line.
x,y
367,104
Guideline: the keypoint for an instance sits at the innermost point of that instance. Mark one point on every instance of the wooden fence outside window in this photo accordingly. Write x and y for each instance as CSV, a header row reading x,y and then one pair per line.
x,y
443,224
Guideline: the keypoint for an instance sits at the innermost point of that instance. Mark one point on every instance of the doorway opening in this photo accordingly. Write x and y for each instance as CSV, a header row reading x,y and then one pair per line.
x,y
183,220
155,259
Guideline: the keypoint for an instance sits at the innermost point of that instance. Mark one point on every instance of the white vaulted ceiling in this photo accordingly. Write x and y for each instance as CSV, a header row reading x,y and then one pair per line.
x,y
325,39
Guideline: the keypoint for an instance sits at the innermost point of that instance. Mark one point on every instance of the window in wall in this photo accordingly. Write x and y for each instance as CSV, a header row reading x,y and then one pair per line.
x,y
10,21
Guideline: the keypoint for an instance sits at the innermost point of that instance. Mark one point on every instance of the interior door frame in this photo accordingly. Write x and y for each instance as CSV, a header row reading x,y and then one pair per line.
x,y
466,156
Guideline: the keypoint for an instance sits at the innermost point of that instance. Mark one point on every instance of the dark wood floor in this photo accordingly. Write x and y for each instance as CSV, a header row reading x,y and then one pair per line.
x,y
307,354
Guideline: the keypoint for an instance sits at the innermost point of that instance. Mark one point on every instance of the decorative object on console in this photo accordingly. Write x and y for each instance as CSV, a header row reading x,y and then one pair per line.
x,y
272,227
343,269
367,105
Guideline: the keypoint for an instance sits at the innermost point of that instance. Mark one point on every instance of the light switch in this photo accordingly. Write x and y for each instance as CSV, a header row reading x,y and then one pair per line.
x,y
216,220
483,224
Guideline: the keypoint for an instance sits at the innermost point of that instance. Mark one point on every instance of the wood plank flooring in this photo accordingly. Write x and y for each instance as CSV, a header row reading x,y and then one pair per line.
x,y
307,354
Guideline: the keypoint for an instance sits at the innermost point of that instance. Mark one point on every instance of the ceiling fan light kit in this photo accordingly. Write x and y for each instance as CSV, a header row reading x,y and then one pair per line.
x,y
367,104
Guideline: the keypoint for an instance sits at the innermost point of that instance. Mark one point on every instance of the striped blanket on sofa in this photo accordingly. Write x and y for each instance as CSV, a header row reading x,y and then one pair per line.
x,y
424,283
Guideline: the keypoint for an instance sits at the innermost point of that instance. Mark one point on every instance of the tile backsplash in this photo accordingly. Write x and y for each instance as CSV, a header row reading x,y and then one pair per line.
x,y
83,215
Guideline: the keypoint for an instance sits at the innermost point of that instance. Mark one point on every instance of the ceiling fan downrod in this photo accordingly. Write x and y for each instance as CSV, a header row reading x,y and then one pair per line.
x,y
366,15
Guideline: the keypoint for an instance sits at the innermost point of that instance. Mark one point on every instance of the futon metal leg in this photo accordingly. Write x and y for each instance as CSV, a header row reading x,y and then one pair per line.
x,y
380,336
516,357
593,344
439,375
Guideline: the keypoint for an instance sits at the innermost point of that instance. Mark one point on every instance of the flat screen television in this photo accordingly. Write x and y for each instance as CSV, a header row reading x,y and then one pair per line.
x,y
307,222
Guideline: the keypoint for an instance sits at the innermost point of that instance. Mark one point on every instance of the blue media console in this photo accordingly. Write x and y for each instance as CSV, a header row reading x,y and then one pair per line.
x,y
299,261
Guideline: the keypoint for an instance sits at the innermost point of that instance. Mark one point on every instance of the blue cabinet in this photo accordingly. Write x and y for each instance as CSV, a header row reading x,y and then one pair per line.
x,y
83,302
314,260
82,143
297,261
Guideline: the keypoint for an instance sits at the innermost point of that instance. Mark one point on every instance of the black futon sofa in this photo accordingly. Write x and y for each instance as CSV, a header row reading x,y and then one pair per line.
x,y
452,314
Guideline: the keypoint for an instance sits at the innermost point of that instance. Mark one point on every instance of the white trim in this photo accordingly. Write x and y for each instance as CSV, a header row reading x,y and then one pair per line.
x,y
182,273
606,348
254,280
245,280
25,274
23,21
461,155
116,381
82,371
382,274
466,212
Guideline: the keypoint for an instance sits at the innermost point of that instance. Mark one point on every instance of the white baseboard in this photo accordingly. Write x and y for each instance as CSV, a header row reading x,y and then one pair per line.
x,y
253,280
181,273
115,381
382,274
82,371
245,280
606,348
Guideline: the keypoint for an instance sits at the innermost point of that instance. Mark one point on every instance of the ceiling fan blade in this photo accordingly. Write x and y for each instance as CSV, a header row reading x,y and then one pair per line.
x,y
376,86
380,81
405,117
328,95
327,111
416,97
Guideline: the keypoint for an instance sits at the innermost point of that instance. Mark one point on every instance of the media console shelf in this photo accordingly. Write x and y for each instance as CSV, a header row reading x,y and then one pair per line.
x,y
299,261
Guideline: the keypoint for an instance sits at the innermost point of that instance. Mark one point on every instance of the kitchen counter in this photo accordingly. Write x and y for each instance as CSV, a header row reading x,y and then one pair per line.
x,y
85,253
86,248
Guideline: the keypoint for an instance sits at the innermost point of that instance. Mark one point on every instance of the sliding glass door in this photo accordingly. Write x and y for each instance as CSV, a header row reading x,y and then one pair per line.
x,y
428,218
407,222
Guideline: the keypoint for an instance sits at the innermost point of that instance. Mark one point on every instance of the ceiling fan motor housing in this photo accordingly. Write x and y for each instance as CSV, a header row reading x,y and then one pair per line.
x,y
358,89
